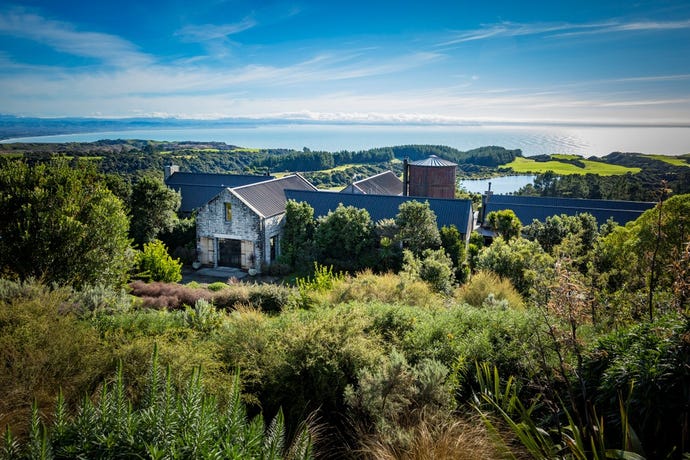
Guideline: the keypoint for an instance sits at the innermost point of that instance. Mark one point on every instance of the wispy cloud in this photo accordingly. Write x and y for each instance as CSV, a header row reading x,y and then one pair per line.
x,y
513,29
211,32
63,37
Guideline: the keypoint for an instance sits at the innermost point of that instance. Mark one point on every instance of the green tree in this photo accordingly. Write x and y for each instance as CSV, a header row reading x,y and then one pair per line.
x,y
155,264
345,238
417,227
297,245
153,208
521,261
505,223
61,224
454,246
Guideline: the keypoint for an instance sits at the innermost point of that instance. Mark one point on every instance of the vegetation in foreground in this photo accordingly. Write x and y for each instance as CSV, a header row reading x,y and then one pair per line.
x,y
568,338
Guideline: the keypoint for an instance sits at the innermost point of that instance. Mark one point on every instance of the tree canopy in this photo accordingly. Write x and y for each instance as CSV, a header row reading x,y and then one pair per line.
x,y
417,227
62,225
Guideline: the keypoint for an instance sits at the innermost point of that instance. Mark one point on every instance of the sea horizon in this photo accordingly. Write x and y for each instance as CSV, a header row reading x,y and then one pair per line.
x,y
536,139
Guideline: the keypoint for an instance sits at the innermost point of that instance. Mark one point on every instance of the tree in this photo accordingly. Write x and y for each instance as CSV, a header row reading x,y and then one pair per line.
x,y
521,261
505,223
62,225
297,245
417,227
155,264
153,208
345,238
454,246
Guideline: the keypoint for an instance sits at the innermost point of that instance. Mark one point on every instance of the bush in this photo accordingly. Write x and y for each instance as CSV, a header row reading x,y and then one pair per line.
x,y
169,422
162,295
42,350
154,263
387,288
270,297
217,286
484,285
648,365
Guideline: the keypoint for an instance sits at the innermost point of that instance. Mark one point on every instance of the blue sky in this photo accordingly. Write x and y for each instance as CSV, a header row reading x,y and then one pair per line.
x,y
365,61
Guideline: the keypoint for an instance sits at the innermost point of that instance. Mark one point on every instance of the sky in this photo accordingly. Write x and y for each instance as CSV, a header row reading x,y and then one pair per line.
x,y
599,62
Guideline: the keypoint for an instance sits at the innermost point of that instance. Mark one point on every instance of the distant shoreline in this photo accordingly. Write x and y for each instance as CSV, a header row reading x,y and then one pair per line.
x,y
534,139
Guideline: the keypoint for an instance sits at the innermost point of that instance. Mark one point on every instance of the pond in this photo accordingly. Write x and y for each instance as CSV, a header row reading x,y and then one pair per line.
x,y
500,185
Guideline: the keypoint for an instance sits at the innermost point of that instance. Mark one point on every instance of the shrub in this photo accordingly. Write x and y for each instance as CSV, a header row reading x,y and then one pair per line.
x,y
170,423
167,295
486,284
154,263
217,286
270,297
388,288
42,350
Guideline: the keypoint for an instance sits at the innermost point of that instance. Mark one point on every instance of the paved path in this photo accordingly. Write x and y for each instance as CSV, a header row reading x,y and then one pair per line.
x,y
209,275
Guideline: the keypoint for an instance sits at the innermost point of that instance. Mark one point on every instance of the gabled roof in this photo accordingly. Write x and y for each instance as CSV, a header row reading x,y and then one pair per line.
x,y
528,208
432,161
268,198
198,188
448,212
385,183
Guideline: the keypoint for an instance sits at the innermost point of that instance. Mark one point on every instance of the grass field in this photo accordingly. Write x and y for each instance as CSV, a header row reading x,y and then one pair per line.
x,y
675,161
525,165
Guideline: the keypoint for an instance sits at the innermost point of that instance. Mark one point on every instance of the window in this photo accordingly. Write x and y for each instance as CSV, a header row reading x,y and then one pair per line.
x,y
228,211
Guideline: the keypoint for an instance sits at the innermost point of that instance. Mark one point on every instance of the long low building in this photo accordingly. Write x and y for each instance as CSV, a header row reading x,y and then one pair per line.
x,y
529,208
448,211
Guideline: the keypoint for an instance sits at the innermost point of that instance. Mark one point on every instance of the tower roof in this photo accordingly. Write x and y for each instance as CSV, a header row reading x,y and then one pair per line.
x,y
433,161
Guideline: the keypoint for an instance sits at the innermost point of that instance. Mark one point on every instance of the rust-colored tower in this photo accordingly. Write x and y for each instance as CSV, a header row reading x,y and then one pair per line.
x,y
433,177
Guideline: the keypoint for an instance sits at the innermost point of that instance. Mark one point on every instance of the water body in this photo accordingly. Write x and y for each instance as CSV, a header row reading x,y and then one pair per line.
x,y
532,140
499,185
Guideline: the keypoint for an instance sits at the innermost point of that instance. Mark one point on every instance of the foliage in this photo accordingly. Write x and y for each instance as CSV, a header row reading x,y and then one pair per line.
x,y
555,229
648,363
62,225
486,287
646,249
170,423
393,393
521,261
345,239
417,227
505,223
153,208
454,246
43,349
571,441
434,267
297,243
155,264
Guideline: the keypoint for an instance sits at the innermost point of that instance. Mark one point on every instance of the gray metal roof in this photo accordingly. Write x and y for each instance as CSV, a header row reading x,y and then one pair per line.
x,y
197,189
268,197
433,161
385,183
528,208
448,211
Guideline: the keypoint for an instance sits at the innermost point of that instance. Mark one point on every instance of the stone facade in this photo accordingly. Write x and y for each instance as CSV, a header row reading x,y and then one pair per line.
x,y
245,240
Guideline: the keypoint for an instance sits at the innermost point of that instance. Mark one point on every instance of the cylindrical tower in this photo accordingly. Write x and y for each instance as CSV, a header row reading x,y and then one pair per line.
x,y
433,177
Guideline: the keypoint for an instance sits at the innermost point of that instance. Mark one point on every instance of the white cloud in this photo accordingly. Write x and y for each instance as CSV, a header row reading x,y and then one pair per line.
x,y
62,37
208,32
513,29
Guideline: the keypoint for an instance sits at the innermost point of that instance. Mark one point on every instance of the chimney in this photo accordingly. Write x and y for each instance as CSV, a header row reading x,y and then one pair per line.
x,y
170,170
485,201
406,166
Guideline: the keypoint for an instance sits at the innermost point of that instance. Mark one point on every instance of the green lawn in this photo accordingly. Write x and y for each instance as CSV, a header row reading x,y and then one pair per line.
x,y
525,165
675,161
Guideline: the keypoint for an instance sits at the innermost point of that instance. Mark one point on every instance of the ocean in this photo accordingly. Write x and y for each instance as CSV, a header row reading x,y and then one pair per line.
x,y
532,140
